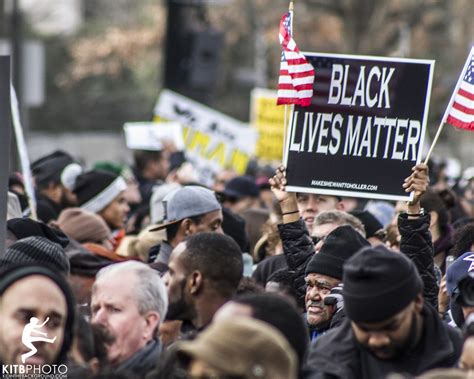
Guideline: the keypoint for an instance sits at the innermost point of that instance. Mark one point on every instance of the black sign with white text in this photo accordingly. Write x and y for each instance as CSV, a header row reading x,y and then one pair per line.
x,y
365,127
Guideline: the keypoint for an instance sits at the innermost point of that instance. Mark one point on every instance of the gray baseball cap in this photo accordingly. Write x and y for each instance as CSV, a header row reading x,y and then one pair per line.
x,y
187,202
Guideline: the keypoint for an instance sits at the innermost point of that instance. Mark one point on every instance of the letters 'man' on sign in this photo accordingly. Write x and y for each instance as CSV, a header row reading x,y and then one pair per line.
x,y
364,129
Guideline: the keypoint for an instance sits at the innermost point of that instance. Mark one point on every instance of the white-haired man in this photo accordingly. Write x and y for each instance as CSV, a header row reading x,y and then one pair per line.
x,y
129,301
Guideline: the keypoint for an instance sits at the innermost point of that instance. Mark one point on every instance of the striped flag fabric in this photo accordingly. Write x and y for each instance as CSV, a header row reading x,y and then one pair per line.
x,y
461,114
295,84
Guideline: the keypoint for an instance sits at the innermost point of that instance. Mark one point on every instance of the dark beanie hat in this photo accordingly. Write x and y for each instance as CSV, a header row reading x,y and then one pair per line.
x,y
96,189
14,273
378,284
38,251
371,224
58,167
26,227
234,226
341,244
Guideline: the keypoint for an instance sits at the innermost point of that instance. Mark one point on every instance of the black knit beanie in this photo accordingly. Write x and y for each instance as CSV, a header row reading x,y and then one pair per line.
x,y
378,284
96,189
12,274
341,244
38,251
49,168
371,224
26,227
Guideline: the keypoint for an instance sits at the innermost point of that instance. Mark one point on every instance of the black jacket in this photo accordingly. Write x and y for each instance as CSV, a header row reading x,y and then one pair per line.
x,y
267,267
298,249
417,245
338,355
142,362
47,209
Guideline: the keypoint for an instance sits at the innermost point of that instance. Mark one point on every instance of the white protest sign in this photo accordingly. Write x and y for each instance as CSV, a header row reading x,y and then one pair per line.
x,y
152,135
213,140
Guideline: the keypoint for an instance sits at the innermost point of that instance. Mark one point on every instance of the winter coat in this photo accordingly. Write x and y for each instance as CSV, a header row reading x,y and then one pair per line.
x,y
298,249
338,355
417,245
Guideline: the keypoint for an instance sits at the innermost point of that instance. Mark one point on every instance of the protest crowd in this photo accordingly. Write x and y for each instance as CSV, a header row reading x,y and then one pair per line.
x,y
143,272
348,259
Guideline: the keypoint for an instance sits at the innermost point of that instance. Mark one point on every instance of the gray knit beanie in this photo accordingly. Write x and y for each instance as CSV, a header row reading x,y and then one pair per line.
x,y
39,251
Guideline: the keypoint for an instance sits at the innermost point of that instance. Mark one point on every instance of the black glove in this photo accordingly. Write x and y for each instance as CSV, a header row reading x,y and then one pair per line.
x,y
335,298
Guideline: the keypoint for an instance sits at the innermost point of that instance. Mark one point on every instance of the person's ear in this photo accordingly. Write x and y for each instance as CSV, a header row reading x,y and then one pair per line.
x,y
196,282
419,301
94,366
152,320
186,226
340,206
434,218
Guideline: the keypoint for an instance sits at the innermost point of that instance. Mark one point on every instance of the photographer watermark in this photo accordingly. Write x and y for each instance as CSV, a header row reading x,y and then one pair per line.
x,y
31,334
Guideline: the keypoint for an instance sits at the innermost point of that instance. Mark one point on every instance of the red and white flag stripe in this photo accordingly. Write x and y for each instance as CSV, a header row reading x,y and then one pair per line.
x,y
461,113
295,85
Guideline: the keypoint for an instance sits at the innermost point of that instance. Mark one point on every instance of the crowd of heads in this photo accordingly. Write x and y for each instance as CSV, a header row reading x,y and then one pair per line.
x,y
145,271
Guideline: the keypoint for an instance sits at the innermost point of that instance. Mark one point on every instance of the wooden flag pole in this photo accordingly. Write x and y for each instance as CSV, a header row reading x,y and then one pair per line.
x,y
448,108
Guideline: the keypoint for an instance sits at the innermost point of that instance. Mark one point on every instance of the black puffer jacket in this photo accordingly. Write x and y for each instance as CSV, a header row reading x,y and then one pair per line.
x,y
416,244
298,248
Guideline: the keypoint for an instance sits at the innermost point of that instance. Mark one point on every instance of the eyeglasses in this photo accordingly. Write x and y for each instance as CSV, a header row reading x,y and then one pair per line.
x,y
317,239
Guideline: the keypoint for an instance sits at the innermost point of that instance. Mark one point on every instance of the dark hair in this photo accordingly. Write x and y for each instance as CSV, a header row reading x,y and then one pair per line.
x,y
431,201
463,240
279,313
84,337
247,286
218,258
286,278
143,157
172,230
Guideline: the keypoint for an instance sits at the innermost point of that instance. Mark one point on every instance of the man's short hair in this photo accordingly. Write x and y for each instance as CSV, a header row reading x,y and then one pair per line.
x,y
278,312
340,218
298,194
286,278
218,258
172,229
151,294
142,157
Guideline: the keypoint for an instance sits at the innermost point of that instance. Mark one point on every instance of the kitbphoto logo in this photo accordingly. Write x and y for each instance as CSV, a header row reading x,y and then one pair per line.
x,y
35,368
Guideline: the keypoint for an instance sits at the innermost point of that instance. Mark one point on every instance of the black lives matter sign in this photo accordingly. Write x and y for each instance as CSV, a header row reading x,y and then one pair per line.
x,y
365,127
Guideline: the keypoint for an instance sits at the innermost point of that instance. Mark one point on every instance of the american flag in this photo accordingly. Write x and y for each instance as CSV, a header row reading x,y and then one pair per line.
x,y
295,85
461,114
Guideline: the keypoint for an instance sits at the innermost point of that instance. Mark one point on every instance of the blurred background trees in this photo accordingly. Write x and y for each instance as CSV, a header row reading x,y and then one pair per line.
x,y
105,59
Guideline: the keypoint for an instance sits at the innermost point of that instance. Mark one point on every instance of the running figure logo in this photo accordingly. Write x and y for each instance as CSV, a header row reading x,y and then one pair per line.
x,y
28,338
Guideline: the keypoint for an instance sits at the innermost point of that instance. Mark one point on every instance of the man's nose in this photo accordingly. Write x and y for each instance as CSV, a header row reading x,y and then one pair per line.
x,y
314,294
126,208
312,204
99,317
378,340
